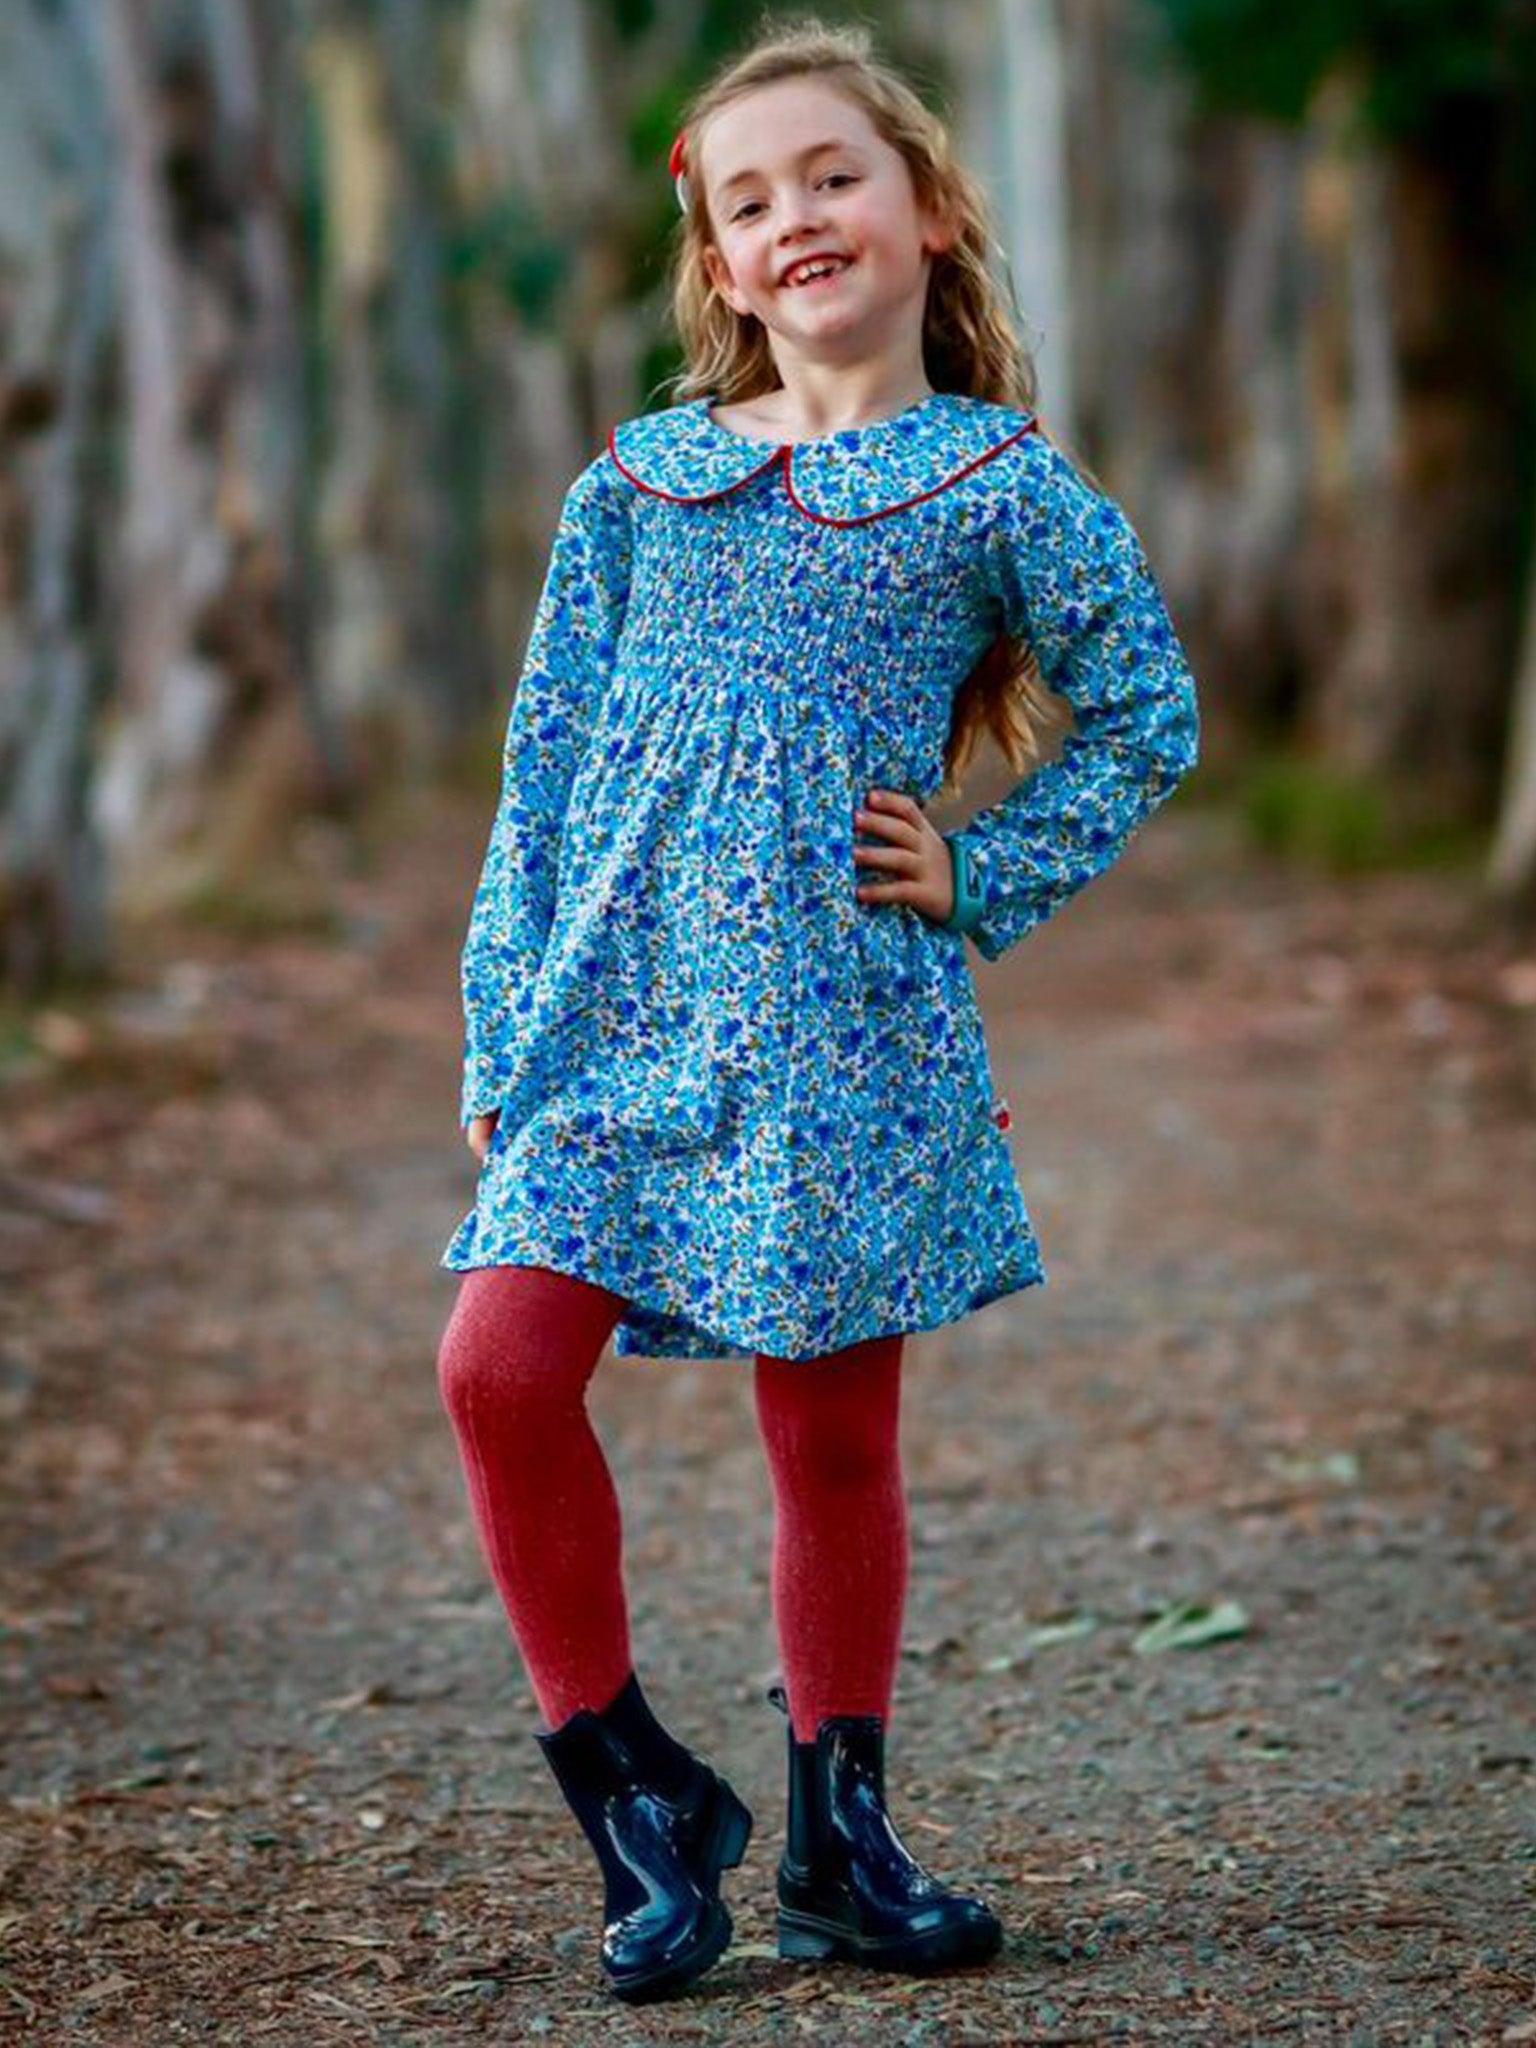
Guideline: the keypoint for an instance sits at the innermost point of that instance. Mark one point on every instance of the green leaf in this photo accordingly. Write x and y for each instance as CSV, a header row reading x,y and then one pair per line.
x,y
1190,1625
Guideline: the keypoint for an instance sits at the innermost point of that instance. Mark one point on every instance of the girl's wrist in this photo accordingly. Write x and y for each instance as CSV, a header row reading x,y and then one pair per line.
x,y
969,899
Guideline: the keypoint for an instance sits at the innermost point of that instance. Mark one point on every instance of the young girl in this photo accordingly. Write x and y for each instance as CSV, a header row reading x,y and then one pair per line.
x,y
725,1072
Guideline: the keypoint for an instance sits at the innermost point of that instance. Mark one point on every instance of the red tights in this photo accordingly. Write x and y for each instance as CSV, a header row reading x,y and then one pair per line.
x,y
521,1346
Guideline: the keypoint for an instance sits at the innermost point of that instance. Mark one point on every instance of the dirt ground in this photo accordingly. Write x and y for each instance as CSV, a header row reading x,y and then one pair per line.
x,y
268,1770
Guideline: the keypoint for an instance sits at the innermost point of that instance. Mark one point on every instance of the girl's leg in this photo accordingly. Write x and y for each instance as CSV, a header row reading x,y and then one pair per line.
x,y
515,1361
521,1347
840,1554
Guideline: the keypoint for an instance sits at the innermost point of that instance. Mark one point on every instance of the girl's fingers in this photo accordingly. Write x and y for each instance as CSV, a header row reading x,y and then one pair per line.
x,y
903,823
883,856
902,872
888,823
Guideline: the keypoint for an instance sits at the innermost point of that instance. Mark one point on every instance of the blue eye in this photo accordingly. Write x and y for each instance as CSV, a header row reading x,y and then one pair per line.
x,y
843,177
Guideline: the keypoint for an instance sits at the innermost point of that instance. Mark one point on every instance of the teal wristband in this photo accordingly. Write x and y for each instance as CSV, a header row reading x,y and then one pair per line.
x,y
969,899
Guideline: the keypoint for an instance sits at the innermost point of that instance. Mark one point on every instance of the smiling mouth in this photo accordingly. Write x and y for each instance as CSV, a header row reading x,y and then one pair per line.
x,y
808,283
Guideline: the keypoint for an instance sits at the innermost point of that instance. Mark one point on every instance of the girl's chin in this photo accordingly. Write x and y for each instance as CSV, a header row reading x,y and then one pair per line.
x,y
800,305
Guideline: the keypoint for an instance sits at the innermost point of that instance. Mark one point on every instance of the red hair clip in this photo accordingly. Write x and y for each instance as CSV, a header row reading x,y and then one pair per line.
x,y
677,164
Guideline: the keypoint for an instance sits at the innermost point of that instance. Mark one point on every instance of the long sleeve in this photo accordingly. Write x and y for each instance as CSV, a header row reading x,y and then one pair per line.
x,y
1074,581
570,655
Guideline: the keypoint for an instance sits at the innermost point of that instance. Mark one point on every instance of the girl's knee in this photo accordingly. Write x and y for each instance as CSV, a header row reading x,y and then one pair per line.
x,y
830,1447
461,1361
479,1347
859,1462
512,1346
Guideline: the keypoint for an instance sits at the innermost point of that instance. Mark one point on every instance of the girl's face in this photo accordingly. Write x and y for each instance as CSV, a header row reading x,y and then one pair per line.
x,y
794,170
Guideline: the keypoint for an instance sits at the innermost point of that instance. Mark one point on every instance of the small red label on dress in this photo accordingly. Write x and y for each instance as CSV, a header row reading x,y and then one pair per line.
x,y
1001,1114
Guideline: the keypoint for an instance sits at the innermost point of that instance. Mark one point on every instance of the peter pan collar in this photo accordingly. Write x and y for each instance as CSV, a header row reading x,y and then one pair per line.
x,y
841,479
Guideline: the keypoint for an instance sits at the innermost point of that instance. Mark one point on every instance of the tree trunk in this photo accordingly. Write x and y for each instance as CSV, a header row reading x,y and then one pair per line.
x,y
438,486
1418,691
1512,866
273,427
169,699
53,669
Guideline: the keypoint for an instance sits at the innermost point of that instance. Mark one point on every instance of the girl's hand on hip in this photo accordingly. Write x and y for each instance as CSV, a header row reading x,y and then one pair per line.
x,y
477,1133
916,867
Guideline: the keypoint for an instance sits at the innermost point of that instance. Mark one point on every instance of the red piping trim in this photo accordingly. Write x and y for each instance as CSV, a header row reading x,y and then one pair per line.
x,y
884,512
672,497
784,454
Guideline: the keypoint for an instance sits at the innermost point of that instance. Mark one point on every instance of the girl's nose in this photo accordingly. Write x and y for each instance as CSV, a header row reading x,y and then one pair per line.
x,y
802,216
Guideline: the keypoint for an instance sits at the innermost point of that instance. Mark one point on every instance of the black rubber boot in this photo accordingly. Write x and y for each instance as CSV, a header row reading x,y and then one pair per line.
x,y
663,1826
848,1886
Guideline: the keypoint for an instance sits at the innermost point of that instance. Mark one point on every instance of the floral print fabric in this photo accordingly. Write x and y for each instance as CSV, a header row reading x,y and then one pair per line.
x,y
759,1108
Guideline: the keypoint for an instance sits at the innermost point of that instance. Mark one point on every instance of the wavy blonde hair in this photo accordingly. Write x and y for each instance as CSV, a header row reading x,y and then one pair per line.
x,y
970,345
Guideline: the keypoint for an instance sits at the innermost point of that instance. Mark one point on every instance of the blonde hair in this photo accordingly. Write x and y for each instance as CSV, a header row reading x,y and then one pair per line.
x,y
970,345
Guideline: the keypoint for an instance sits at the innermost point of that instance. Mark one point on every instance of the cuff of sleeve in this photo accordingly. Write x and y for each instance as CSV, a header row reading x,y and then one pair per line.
x,y
970,899
479,1094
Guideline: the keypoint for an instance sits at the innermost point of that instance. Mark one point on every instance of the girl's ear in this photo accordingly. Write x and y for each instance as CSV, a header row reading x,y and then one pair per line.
x,y
940,230
720,277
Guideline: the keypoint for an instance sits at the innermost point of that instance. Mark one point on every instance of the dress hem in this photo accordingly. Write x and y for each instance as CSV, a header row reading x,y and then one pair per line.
x,y
748,1347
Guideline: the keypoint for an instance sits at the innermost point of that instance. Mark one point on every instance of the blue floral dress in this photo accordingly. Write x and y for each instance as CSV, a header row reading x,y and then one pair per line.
x,y
761,1109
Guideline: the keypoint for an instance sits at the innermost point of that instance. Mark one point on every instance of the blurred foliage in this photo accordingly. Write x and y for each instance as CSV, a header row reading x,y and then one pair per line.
x,y
1303,809
508,246
270,907
1413,58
